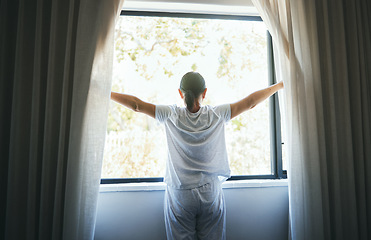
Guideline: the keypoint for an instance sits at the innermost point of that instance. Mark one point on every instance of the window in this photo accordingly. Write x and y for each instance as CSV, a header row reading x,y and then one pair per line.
x,y
153,51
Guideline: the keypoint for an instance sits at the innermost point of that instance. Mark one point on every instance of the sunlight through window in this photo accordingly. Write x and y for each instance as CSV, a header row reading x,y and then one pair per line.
x,y
151,56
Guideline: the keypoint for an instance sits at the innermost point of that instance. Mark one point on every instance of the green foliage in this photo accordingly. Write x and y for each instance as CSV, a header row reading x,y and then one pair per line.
x,y
154,49
237,123
194,67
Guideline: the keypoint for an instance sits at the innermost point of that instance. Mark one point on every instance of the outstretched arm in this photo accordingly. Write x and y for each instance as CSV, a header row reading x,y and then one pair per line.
x,y
253,99
134,103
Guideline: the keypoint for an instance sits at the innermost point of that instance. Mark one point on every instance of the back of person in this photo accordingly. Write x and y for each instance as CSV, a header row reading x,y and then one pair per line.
x,y
196,144
197,163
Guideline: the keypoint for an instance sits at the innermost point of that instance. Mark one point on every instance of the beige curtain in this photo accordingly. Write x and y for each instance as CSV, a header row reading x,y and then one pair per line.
x,y
323,55
55,71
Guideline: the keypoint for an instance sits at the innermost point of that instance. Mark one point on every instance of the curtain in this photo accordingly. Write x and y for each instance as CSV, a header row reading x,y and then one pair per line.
x,y
55,71
323,55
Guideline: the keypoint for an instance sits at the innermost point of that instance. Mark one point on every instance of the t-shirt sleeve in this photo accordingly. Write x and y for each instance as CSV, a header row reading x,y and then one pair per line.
x,y
163,112
224,111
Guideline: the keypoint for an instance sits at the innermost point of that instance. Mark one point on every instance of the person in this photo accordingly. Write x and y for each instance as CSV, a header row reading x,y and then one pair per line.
x,y
197,163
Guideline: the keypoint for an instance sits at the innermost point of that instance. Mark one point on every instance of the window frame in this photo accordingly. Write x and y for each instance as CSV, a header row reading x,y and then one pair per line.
x,y
274,111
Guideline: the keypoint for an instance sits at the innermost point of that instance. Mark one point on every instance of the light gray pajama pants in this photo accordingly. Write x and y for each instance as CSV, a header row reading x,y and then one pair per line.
x,y
197,213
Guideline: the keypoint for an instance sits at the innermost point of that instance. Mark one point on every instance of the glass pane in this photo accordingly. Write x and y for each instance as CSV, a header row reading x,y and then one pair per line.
x,y
152,54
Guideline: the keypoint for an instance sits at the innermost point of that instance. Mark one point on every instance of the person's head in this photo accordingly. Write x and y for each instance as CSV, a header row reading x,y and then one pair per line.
x,y
192,90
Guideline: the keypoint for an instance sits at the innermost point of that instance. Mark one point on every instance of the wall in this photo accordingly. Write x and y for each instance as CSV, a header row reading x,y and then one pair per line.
x,y
217,2
229,7
255,210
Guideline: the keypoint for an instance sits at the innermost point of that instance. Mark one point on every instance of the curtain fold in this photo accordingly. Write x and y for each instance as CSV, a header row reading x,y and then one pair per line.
x,y
55,69
323,54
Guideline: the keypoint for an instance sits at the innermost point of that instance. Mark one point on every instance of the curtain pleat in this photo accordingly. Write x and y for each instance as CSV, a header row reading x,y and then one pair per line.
x,y
326,70
343,58
55,69
6,71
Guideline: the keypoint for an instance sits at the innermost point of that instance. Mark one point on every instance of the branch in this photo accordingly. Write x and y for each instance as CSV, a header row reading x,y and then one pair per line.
x,y
153,45
161,42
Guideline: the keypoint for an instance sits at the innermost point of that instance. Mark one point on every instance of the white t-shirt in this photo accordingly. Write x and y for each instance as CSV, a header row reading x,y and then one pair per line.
x,y
197,152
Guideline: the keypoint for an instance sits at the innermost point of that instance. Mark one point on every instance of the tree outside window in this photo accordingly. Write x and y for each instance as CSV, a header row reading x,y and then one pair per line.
x,y
151,56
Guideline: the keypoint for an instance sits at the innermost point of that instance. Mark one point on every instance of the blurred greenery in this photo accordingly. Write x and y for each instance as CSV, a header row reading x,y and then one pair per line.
x,y
151,55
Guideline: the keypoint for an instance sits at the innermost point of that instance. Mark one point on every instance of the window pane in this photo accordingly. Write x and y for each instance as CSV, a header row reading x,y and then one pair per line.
x,y
151,56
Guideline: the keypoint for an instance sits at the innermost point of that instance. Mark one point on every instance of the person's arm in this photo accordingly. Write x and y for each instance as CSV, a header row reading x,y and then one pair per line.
x,y
253,99
134,103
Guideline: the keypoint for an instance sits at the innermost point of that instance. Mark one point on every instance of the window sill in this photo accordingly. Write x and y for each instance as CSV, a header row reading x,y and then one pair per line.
x,y
160,186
